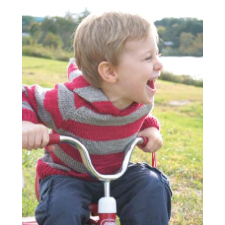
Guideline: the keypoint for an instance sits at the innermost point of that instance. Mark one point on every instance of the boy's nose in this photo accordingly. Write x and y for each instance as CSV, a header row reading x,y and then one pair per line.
x,y
158,65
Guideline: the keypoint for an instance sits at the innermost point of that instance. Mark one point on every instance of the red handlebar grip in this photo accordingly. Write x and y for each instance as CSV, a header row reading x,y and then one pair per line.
x,y
145,141
54,139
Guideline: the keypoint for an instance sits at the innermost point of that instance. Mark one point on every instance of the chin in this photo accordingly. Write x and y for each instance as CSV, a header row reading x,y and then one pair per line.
x,y
146,100
150,101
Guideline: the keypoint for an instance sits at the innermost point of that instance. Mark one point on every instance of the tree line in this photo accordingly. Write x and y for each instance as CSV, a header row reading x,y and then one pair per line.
x,y
55,32
178,37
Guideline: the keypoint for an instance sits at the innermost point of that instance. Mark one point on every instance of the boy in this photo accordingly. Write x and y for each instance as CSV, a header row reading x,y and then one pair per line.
x,y
105,106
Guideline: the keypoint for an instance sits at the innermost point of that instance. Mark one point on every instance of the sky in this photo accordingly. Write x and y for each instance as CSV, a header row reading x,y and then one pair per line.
x,y
150,9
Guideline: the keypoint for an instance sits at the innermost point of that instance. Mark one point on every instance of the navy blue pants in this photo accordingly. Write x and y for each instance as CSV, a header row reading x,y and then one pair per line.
x,y
143,197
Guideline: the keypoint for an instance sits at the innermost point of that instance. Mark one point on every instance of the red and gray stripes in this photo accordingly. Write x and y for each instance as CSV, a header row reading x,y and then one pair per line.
x,y
79,110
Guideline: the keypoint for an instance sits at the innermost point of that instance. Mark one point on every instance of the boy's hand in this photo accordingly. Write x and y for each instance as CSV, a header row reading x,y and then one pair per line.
x,y
155,139
34,136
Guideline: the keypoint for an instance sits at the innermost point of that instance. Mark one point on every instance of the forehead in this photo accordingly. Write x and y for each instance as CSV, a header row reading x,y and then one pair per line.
x,y
140,46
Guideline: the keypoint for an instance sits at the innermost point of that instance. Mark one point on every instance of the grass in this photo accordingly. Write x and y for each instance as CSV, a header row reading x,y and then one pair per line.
x,y
182,129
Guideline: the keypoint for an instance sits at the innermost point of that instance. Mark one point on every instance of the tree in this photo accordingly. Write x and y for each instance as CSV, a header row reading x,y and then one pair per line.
x,y
26,21
161,31
49,25
65,29
186,43
175,31
198,45
82,15
52,40
191,45
34,29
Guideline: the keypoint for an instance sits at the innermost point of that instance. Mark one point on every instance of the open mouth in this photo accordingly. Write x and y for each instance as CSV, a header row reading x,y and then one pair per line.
x,y
151,83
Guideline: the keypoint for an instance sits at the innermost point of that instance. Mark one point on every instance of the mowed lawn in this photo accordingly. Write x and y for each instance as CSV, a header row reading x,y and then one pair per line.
x,y
178,107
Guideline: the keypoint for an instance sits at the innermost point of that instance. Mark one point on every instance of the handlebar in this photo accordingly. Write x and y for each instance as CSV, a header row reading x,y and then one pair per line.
x,y
141,141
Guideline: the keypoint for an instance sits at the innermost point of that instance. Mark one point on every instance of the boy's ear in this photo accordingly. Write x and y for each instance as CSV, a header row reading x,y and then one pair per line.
x,y
106,71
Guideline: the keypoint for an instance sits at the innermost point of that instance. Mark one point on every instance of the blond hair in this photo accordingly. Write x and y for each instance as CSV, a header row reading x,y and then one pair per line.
x,y
103,37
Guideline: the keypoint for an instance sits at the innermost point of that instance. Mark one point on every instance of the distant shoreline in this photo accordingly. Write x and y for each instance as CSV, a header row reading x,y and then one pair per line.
x,y
184,65
182,79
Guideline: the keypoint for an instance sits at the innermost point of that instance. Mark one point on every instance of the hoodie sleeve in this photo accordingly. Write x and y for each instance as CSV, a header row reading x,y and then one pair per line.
x,y
50,106
41,105
72,70
150,121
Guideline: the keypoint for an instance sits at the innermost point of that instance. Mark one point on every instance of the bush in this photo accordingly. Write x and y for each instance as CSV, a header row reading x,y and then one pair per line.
x,y
26,41
52,40
59,54
46,52
183,79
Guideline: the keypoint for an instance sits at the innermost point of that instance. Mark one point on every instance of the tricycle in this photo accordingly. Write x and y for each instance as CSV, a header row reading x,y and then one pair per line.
x,y
103,213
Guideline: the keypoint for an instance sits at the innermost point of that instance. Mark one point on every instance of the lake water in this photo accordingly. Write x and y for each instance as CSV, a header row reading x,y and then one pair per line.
x,y
192,66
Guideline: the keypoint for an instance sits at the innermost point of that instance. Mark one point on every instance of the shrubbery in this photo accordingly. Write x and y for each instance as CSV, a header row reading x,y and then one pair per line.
x,y
46,52
59,54
52,39
183,79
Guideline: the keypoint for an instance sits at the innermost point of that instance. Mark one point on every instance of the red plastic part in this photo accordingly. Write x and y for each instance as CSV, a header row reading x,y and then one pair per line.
x,y
54,139
93,207
37,187
107,218
30,223
154,162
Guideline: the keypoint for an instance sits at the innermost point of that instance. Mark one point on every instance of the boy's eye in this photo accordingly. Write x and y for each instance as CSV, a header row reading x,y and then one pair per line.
x,y
148,58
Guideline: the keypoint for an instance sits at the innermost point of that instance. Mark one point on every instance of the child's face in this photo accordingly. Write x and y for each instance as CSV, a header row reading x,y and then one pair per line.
x,y
138,69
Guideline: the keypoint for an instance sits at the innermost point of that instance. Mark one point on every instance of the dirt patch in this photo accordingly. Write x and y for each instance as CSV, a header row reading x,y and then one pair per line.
x,y
179,103
30,73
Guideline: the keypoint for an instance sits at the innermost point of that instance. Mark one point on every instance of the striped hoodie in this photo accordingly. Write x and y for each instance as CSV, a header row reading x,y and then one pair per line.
x,y
79,110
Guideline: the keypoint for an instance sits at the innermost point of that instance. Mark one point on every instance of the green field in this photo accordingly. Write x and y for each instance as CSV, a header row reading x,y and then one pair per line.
x,y
181,157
